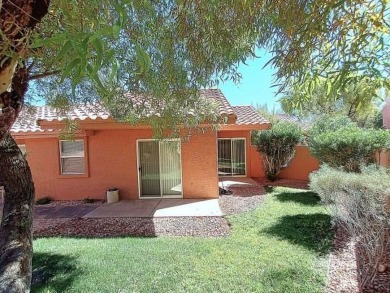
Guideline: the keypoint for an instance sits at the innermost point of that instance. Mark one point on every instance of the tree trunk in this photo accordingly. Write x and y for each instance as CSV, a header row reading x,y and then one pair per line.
x,y
18,19
16,225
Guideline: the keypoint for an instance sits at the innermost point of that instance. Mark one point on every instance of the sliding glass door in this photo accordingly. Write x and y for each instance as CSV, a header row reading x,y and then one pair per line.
x,y
159,168
231,157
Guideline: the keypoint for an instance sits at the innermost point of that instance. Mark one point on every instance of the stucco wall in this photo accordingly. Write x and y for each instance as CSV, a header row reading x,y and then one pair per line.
x,y
300,168
199,164
112,162
301,165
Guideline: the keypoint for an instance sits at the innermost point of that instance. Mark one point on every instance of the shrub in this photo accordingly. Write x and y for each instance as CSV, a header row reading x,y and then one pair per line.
x,y
44,200
358,202
341,143
277,147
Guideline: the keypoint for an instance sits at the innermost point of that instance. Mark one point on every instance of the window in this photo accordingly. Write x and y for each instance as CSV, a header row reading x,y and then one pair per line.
x,y
231,157
72,157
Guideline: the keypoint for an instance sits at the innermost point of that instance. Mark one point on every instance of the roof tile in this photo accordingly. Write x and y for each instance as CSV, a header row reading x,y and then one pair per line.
x,y
28,120
247,115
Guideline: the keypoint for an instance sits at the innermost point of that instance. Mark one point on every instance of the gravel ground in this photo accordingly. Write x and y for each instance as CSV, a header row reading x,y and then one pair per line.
x,y
111,227
342,270
293,183
343,273
242,199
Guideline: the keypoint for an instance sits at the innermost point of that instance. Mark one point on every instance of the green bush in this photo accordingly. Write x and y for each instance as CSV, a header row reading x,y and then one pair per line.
x,y
341,143
329,124
358,202
277,146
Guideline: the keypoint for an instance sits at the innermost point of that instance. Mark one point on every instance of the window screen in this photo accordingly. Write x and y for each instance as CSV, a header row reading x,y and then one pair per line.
x,y
231,157
72,157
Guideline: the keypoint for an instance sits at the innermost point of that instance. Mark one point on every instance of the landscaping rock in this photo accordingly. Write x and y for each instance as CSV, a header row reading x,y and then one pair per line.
x,y
143,227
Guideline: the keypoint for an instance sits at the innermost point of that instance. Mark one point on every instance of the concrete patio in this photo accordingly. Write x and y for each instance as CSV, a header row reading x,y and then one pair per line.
x,y
147,208
227,182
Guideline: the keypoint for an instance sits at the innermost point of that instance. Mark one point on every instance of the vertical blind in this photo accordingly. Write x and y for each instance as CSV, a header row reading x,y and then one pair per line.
x,y
149,168
231,157
160,168
72,157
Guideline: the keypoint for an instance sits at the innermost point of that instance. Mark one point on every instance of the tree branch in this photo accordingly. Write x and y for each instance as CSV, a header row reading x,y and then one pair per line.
x,y
43,75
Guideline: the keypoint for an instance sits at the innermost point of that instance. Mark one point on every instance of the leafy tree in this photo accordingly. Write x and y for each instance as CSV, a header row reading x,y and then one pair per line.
x,y
166,50
277,147
358,101
339,142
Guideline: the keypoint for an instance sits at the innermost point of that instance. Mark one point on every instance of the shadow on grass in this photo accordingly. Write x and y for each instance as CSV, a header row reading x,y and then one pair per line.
x,y
305,197
312,231
56,270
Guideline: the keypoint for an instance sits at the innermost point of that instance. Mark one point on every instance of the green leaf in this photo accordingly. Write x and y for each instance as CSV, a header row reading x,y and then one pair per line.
x,y
99,54
70,68
143,60
40,42
64,50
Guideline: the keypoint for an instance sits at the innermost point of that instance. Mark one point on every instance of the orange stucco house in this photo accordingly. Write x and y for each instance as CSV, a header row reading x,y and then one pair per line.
x,y
108,154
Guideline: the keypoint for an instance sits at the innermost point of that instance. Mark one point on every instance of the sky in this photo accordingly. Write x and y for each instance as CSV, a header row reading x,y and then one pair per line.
x,y
255,85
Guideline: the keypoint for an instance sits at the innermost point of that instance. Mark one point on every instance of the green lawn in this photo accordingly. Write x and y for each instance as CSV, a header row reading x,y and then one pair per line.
x,y
282,246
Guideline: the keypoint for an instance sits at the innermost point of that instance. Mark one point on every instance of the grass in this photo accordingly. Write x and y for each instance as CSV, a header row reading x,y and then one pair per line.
x,y
282,246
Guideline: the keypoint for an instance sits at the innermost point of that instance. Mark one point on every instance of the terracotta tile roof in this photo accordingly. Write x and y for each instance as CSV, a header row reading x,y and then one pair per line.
x,y
144,103
247,115
27,121
224,106
29,118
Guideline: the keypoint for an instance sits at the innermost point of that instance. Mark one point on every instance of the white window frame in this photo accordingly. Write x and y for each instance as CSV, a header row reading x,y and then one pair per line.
x,y
66,157
231,150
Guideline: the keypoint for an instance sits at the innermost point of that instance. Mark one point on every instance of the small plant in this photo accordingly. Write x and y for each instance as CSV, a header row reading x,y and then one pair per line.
x,y
277,147
44,200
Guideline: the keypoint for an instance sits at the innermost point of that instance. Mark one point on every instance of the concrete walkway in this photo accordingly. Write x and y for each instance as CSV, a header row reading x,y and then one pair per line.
x,y
77,211
227,182
147,208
